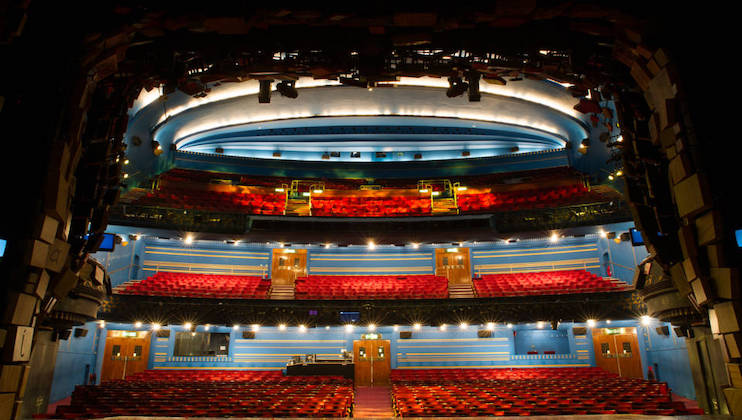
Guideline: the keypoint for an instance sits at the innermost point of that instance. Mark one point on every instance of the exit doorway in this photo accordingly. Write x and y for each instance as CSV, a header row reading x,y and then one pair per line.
x,y
454,264
287,265
372,362
617,351
127,352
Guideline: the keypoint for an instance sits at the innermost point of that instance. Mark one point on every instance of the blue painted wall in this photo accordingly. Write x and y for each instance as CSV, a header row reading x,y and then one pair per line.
x,y
526,256
668,357
362,261
542,340
624,257
73,355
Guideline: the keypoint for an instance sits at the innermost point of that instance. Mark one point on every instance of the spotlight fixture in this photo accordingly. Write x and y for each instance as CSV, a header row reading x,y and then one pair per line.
x,y
287,88
372,327
457,87
101,324
540,324
282,327
236,327
553,238
443,327
138,324
302,328
603,234
188,240
207,327
371,245
417,326
415,245
591,323
255,327
646,320
510,325
187,326
156,148
156,326
327,327
396,327
463,325
264,94
348,327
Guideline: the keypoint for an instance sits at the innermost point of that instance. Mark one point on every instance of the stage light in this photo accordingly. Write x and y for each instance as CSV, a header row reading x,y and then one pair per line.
x,y
603,234
101,324
510,325
456,87
591,323
610,177
282,327
187,326
491,326
348,327
619,138
463,326
646,320
417,326
236,327
619,173
287,88
327,327
302,328
607,321
443,327
371,245
540,325
207,327
327,246
138,324
255,327
126,176
396,327
188,240
415,245
126,162
264,92
371,327
554,237
156,326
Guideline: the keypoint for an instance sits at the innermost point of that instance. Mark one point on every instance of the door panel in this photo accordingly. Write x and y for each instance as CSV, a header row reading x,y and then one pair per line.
x,y
125,355
455,266
618,353
627,347
287,265
372,362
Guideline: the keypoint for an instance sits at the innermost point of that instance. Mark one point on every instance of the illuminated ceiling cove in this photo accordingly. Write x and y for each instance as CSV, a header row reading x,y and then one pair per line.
x,y
409,119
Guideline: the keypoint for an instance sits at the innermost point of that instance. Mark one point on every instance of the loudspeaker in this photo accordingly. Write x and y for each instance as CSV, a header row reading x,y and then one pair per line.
x,y
680,331
405,334
163,333
625,236
248,334
484,333
610,235
579,330
81,332
64,334
418,156
663,330
465,153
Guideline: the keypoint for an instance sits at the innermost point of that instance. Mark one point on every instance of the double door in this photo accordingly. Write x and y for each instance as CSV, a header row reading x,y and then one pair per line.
x,y
287,265
618,353
372,362
453,263
125,355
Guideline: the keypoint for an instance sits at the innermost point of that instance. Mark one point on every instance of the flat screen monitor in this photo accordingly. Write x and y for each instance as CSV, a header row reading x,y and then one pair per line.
x,y
3,242
350,317
636,237
737,234
108,242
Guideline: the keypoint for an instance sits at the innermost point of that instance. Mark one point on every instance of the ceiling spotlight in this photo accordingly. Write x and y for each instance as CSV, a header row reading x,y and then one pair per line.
x,y
138,324
156,326
302,328
255,327
207,327
491,326
610,177
396,328
236,327
646,320
619,173
348,327
554,237
417,326
101,324
540,324
287,88
372,327
603,234
327,246
443,327
187,326
327,327
415,245
607,321
463,325
371,245
457,87
510,325
188,240
591,323
282,327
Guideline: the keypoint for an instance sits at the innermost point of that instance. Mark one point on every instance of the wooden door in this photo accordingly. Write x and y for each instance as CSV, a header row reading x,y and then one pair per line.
x,y
372,362
454,264
287,265
125,354
617,351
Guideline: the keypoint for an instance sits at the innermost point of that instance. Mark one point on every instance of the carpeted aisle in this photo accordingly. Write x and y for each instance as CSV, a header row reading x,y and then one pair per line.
x,y
373,402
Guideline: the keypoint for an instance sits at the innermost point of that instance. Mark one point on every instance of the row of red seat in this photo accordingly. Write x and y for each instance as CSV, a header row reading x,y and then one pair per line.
x,y
201,285
544,283
524,392
518,200
370,206
217,201
193,393
424,286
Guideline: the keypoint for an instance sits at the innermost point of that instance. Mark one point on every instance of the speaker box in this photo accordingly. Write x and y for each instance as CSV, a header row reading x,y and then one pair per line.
x,y
579,330
248,334
64,334
405,334
610,235
663,330
625,237
484,333
81,332
163,333
681,332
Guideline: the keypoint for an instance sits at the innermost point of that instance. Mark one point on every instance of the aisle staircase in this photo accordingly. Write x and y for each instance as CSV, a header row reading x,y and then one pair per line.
x,y
460,291
373,402
444,206
282,292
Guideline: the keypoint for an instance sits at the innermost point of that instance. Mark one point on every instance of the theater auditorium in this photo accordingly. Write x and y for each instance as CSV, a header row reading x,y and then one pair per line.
x,y
517,208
